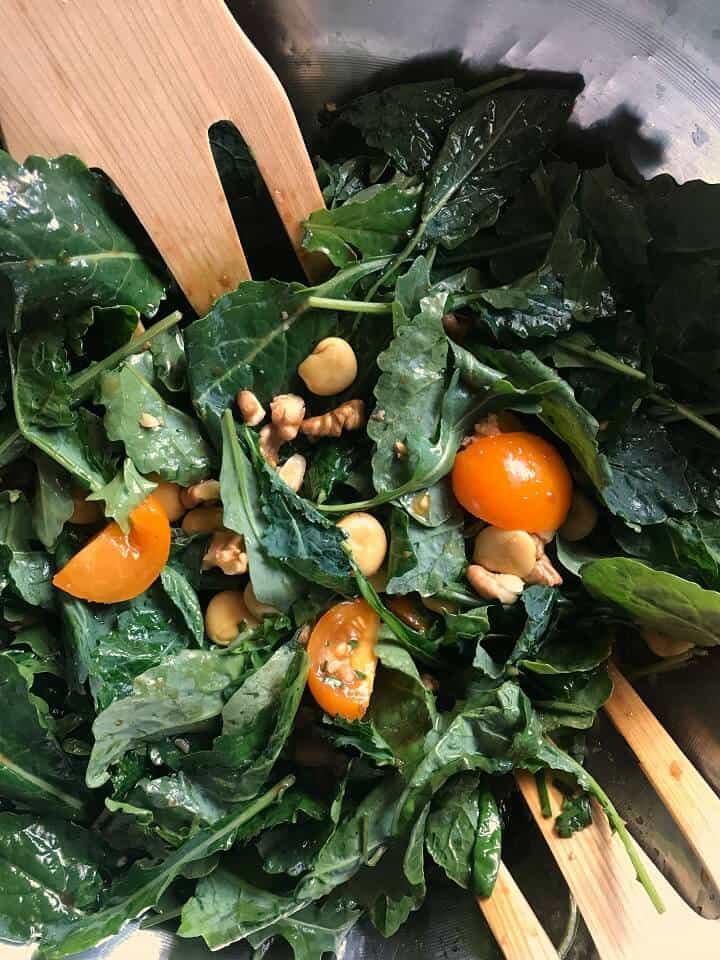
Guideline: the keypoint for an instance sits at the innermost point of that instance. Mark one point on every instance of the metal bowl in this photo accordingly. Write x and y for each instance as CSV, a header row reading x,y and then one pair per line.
x,y
652,91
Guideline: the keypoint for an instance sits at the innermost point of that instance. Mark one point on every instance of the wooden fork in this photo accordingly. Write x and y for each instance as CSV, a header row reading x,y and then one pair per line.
x,y
132,87
622,922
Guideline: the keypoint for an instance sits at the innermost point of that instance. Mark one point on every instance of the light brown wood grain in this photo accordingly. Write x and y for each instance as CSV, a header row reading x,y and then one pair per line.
x,y
622,921
131,87
518,932
694,806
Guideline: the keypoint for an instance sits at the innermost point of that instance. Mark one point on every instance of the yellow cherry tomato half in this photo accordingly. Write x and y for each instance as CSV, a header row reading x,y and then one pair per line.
x,y
115,566
515,481
342,659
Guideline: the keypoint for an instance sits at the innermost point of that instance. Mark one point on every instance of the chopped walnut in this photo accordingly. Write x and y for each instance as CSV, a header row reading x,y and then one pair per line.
x,y
287,411
504,587
400,449
226,551
149,422
348,416
251,410
543,573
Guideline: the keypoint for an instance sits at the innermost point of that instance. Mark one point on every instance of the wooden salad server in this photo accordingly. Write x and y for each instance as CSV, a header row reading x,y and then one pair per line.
x,y
621,919
132,87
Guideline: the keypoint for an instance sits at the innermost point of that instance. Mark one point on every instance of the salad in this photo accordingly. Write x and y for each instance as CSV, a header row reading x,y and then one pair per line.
x,y
289,591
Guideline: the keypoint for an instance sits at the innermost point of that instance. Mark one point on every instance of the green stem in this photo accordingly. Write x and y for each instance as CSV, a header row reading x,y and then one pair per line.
x,y
83,381
544,794
705,409
496,84
571,928
617,823
687,413
159,918
400,258
349,306
603,359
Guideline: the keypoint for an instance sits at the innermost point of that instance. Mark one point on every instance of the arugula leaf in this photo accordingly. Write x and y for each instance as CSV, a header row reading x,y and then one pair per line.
x,y
174,449
655,599
142,886
424,559
407,121
410,389
34,772
648,476
169,359
330,466
61,247
360,735
373,222
125,491
53,504
240,494
488,151
42,381
25,571
49,873
561,655
177,696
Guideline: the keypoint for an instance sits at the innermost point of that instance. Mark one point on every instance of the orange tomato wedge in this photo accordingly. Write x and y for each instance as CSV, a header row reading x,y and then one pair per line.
x,y
115,566
342,659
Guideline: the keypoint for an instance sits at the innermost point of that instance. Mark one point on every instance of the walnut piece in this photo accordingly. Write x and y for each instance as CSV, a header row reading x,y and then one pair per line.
x,y
287,411
149,422
226,551
348,416
543,573
251,410
504,587
207,491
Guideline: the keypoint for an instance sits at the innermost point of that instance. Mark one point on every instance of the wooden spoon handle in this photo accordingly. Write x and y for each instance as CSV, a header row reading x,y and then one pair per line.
x,y
518,932
693,804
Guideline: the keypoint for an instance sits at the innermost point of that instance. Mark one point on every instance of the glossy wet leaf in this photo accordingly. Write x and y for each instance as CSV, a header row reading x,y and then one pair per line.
x,y
173,446
125,491
62,248
53,503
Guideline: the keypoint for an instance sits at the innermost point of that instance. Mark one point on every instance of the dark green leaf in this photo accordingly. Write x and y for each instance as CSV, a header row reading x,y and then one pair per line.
x,y
648,476
576,815
169,360
682,217
407,121
61,247
179,695
34,772
48,872
242,512
174,449
53,503
331,465
452,827
183,597
424,559
43,391
374,222
488,846
488,151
